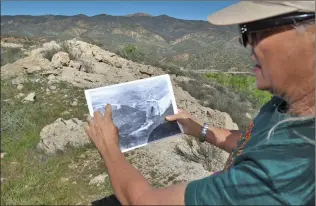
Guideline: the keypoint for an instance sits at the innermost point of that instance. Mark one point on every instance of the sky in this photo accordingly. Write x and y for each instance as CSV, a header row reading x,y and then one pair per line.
x,y
189,10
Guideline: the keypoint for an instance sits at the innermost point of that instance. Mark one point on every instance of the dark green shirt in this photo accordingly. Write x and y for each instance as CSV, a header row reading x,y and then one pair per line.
x,y
261,171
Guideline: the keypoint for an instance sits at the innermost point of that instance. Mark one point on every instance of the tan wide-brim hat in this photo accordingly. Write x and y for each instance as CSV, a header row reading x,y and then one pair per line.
x,y
248,11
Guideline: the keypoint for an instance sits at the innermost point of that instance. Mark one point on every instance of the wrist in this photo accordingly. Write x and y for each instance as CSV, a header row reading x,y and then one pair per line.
x,y
197,129
110,152
202,137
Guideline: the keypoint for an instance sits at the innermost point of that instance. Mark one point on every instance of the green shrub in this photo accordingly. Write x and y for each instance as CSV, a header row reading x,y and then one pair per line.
x,y
131,52
244,85
10,55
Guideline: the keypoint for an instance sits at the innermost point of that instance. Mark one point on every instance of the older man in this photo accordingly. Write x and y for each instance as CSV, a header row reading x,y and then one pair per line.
x,y
274,161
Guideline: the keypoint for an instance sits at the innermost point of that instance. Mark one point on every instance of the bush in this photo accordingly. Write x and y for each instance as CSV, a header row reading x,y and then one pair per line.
x,y
244,85
131,52
65,47
220,98
10,55
50,53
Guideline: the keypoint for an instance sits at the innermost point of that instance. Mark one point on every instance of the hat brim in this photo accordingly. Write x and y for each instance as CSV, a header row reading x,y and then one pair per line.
x,y
247,11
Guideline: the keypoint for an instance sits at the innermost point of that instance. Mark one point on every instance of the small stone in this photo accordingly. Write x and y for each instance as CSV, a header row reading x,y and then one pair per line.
x,y
51,77
74,103
118,65
64,179
2,179
2,154
53,87
30,97
20,87
74,182
98,179
19,95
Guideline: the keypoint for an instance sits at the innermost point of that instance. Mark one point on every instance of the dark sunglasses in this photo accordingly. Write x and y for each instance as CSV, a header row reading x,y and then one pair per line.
x,y
263,28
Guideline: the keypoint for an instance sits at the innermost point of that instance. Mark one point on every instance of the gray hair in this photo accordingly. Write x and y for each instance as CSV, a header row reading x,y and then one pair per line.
x,y
300,28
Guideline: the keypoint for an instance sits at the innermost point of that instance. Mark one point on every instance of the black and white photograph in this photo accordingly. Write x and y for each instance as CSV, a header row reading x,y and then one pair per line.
x,y
139,109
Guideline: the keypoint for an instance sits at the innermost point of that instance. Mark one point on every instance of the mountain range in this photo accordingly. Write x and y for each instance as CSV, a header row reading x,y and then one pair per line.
x,y
190,44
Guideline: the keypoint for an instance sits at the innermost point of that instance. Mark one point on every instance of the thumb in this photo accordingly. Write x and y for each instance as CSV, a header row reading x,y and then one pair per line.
x,y
173,117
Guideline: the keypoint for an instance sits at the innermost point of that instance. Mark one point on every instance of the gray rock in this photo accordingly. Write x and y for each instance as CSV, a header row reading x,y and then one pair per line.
x,y
100,179
147,70
19,80
74,103
25,66
75,65
64,179
30,97
60,59
32,68
20,87
20,95
52,87
3,154
51,77
62,133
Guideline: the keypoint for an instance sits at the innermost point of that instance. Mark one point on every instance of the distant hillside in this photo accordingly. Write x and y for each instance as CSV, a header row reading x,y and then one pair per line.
x,y
186,43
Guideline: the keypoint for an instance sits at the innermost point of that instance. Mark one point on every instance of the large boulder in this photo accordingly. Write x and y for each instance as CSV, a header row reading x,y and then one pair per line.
x,y
60,59
24,66
61,134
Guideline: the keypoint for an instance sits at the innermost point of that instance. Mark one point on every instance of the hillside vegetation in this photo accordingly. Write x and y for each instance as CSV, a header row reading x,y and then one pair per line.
x,y
185,43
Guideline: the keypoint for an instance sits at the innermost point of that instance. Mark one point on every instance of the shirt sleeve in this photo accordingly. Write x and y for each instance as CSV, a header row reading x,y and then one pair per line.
x,y
244,184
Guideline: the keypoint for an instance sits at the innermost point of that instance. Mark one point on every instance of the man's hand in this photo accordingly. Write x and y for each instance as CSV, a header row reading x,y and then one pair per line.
x,y
102,131
222,138
189,124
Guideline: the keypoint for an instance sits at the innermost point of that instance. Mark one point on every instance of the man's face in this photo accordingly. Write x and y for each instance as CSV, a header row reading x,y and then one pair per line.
x,y
285,60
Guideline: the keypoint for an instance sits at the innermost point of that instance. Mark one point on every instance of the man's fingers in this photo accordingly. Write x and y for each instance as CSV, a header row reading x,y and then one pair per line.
x,y
87,129
174,117
108,112
98,116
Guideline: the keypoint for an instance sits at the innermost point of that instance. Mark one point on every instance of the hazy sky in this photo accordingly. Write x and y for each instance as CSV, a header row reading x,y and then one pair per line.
x,y
192,10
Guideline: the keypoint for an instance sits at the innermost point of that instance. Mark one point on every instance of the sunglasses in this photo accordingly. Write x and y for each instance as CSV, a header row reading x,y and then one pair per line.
x,y
258,30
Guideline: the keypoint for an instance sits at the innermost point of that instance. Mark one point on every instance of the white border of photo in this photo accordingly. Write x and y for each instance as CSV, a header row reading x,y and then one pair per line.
x,y
170,89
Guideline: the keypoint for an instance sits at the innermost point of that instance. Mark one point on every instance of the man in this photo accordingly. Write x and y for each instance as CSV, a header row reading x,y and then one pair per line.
x,y
274,161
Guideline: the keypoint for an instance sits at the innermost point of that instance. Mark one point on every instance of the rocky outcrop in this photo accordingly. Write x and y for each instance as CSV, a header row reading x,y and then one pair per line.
x,y
62,134
88,66
25,66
